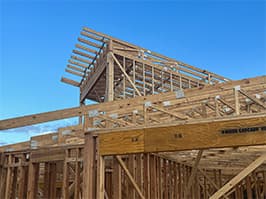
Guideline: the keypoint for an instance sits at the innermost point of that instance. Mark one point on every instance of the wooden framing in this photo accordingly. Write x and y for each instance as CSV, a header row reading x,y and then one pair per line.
x,y
187,102
212,134
151,72
164,130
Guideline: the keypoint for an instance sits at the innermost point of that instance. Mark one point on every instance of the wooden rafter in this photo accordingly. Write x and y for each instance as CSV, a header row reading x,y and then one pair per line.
x,y
159,73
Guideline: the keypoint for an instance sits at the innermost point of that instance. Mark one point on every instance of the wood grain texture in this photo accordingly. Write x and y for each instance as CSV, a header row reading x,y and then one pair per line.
x,y
121,142
204,135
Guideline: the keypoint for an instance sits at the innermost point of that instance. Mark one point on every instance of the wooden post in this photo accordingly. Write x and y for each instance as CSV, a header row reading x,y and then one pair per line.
x,y
8,178
110,73
82,103
152,74
124,78
134,77
65,188
171,82
131,165
237,106
77,175
3,177
100,177
143,79
22,178
264,183
46,180
89,180
52,180
14,182
116,178
33,180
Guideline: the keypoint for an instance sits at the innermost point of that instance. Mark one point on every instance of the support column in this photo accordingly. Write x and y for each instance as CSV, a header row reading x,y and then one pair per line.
x,y
14,182
52,182
117,180
33,180
77,175
8,178
65,188
2,176
110,74
89,180
100,177
22,178
46,180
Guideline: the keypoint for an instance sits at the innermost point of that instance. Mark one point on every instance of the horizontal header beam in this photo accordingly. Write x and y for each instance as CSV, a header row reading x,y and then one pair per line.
x,y
219,133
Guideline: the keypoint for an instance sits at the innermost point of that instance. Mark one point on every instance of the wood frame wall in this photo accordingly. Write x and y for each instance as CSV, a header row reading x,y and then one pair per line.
x,y
165,129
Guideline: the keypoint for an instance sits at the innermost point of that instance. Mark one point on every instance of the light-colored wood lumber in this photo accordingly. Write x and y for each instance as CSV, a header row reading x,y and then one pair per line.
x,y
193,173
74,72
70,81
86,48
126,75
89,43
130,177
191,95
239,177
201,135
89,178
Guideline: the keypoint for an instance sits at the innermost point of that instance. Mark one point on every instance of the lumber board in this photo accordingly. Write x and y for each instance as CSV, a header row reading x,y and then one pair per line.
x,y
160,56
48,155
218,133
131,141
15,147
229,185
70,81
92,81
121,106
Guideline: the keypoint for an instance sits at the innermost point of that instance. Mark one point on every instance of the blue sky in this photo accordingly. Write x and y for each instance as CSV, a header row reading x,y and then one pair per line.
x,y
37,37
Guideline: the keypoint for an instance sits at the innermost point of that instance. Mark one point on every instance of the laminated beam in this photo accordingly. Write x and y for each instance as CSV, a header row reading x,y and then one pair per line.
x,y
216,133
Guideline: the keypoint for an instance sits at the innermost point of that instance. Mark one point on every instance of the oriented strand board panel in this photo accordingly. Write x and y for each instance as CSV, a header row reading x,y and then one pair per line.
x,y
121,142
230,132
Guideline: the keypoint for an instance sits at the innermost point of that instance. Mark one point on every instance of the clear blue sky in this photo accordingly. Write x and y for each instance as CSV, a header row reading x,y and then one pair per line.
x,y
37,37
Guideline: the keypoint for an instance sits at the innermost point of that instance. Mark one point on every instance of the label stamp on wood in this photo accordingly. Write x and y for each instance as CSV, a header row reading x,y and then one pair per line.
x,y
243,130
